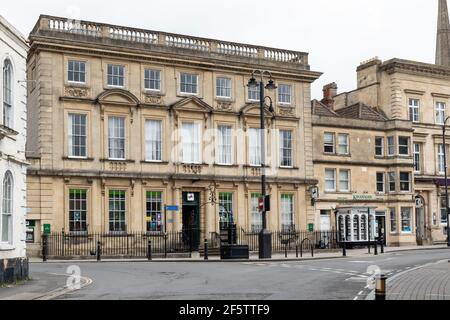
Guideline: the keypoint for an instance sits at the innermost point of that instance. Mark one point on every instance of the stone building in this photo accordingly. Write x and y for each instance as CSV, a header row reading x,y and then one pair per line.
x,y
13,114
131,120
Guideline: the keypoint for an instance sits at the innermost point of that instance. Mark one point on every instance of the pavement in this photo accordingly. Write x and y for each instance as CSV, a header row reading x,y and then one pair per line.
x,y
422,273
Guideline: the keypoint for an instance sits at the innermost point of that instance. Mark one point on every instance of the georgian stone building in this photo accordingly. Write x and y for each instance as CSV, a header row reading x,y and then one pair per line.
x,y
13,114
127,121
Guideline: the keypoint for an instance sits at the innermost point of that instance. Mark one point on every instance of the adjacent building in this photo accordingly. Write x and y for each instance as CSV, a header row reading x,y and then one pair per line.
x,y
13,116
126,121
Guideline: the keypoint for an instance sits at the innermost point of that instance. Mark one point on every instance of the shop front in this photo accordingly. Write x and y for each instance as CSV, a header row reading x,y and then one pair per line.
x,y
356,225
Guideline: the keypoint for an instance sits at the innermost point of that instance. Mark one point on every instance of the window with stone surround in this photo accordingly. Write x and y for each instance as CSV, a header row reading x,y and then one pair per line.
x,y
225,144
253,93
344,180
287,212
154,215
391,146
328,143
116,138
393,219
406,220
403,146
116,75
223,87
8,85
76,71
188,83
254,146
405,181
117,211
286,145
191,142
440,159
392,182
414,110
285,94
381,182
440,113
77,135
6,222
78,210
152,79
330,180
153,140
343,144
417,157
256,215
379,146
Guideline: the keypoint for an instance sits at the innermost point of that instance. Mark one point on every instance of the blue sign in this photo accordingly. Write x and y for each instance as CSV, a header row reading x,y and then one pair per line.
x,y
172,208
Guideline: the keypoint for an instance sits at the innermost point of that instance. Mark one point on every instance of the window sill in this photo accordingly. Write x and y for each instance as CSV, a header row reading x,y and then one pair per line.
x,y
117,160
288,168
153,92
226,165
77,84
337,155
78,159
7,247
224,99
187,94
154,162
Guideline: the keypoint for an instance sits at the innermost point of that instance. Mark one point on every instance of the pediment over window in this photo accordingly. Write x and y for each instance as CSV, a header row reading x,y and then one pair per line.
x,y
118,96
192,104
254,110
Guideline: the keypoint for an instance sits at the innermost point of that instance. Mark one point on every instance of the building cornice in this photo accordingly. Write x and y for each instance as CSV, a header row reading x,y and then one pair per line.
x,y
416,68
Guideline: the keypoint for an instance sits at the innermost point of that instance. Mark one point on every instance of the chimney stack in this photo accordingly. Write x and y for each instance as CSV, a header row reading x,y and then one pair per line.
x,y
443,35
329,92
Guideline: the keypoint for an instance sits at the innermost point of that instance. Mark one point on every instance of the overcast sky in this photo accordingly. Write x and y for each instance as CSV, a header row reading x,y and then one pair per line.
x,y
337,34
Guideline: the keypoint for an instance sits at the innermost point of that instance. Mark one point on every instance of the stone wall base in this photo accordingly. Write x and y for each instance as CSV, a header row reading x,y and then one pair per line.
x,y
12,270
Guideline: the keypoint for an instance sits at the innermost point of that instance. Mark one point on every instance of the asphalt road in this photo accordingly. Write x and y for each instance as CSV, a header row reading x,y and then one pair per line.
x,y
332,279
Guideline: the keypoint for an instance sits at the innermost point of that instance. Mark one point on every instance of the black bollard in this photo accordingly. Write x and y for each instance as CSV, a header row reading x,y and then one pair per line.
x,y
165,246
285,252
375,248
344,248
206,249
149,250
99,251
296,251
380,290
382,245
44,248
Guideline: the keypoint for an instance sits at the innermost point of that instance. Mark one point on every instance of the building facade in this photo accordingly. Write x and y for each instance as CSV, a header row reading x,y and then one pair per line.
x,y
13,52
132,120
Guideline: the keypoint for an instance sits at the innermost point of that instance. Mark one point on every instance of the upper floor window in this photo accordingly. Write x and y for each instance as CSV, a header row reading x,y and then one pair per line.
x,y
440,112
391,182
77,135
391,146
344,180
191,142
223,87
381,182
76,71
328,142
414,110
417,157
405,181
285,94
379,146
189,83
403,146
152,80
116,138
254,93
225,144
6,221
441,159
7,94
255,146
153,140
286,148
343,147
116,75
330,180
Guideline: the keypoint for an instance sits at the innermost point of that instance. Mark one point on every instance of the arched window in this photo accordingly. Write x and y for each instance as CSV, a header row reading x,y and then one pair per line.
x,y
7,208
348,228
7,94
356,236
363,227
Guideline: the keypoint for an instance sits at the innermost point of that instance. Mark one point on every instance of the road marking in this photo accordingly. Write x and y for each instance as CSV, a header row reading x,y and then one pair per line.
x,y
360,293
356,298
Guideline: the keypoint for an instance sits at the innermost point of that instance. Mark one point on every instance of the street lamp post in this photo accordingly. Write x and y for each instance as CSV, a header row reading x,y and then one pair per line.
x,y
447,208
265,237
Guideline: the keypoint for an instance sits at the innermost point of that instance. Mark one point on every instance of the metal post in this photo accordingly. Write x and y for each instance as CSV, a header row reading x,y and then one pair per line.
x,y
312,250
344,247
296,251
206,249
446,181
165,246
380,289
44,248
99,251
382,244
149,250
285,251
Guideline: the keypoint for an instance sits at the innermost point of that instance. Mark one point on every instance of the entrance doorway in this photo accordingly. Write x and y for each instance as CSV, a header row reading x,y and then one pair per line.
x,y
380,226
191,219
420,221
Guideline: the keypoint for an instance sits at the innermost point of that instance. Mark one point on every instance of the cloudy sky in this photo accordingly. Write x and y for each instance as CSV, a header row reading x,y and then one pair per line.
x,y
337,34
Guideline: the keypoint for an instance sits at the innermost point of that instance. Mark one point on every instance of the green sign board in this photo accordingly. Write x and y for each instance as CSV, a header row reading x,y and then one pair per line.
x,y
47,229
364,197
311,227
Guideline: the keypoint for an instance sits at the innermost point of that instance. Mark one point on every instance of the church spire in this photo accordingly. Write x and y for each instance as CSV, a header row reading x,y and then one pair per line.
x,y
443,35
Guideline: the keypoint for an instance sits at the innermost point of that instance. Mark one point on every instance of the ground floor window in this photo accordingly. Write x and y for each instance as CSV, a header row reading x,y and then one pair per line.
x,y
356,225
257,222
287,212
225,209
406,220
78,210
154,211
117,210
444,215
393,219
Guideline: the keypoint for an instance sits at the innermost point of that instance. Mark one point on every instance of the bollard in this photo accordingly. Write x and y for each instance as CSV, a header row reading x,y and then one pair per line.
x,y
382,245
99,251
380,289
344,248
44,248
165,246
375,252
296,251
312,250
369,246
285,251
206,249
149,250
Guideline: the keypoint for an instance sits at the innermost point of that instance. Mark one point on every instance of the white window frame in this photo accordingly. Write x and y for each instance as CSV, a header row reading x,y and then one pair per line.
x,y
187,80
409,219
72,136
383,182
285,94
224,85
191,141
115,74
119,196
344,181
440,159
153,140
414,110
256,216
344,145
393,220
377,147
252,91
224,144
154,208
403,181
8,93
74,71
254,147
391,146
286,147
328,143
417,156
7,212
392,178
152,76
440,109
116,139
407,145
287,212
333,180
